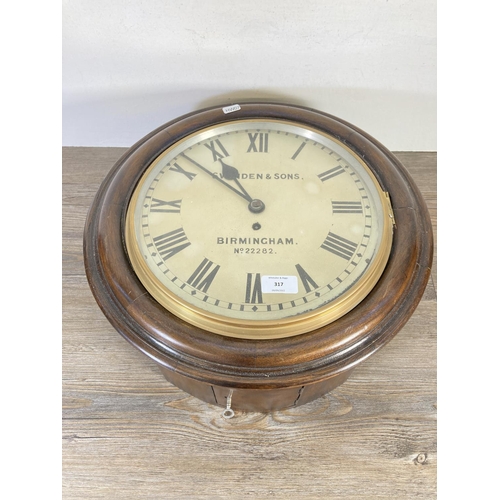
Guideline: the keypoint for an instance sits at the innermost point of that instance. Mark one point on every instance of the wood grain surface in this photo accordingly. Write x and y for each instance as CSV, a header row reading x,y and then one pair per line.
x,y
129,434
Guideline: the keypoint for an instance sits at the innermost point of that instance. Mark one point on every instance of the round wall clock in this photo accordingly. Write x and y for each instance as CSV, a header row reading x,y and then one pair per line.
x,y
258,252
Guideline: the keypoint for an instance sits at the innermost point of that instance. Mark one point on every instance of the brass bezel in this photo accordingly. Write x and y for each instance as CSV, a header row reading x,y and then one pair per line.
x,y
261,329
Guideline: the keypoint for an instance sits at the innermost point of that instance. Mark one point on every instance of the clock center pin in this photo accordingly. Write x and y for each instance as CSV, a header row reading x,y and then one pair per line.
x,y
256,206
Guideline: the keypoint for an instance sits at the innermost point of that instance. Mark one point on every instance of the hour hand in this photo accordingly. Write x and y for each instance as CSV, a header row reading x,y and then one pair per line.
x,y
229,173
241,192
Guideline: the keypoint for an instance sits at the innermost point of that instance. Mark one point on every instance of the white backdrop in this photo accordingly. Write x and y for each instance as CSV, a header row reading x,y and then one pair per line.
x,y
132,65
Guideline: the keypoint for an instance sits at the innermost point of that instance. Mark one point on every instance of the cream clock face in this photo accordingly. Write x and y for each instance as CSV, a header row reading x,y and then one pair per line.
x,y
258,229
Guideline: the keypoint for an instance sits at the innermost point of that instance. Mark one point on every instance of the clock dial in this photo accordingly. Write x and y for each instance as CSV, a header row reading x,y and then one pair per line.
x,y
259,229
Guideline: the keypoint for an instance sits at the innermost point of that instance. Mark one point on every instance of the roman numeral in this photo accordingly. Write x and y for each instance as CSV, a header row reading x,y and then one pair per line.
x,y
202,278
307,281
177,168
259,146
339,246
160,206
301,147
215,153
171,243
253,292
328,174
347,207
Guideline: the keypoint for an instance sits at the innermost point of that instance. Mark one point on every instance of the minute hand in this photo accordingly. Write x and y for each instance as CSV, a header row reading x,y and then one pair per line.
x,y
243,193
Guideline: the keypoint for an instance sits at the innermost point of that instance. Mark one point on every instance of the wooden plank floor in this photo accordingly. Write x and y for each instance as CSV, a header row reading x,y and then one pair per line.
x,y
129,434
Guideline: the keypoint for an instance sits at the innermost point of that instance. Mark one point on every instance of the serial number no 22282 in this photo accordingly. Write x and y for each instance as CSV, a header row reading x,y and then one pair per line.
x,y
254,250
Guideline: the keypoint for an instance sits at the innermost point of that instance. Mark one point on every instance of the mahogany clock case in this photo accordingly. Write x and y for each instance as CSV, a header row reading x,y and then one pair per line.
x,y
260,375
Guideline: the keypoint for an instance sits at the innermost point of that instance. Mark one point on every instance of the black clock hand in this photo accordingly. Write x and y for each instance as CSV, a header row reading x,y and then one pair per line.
x,y
241,193
232,174
228,172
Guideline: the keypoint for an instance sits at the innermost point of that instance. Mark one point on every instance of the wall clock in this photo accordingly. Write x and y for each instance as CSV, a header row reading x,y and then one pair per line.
x,y
258,252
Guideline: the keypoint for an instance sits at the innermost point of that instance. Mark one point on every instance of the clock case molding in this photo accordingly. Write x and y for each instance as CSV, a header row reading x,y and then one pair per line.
x,y
260,375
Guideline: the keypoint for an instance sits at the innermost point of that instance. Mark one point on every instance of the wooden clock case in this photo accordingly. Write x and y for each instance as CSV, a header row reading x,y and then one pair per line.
x,y
260,375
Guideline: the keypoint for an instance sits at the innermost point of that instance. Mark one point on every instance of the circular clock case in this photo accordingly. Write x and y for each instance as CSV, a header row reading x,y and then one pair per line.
x,y
258,252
